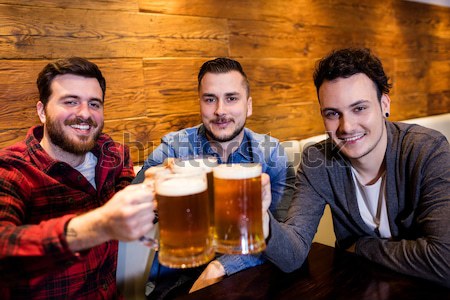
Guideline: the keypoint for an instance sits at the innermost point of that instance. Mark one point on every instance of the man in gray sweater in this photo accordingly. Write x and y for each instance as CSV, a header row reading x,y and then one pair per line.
x,y
387,184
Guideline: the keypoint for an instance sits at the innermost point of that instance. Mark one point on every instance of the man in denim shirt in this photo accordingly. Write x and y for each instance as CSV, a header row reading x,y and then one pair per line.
x,y
225,104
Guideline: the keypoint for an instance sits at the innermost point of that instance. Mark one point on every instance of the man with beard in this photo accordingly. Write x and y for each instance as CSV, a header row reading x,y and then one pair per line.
x,y
65,197
225,104
387,183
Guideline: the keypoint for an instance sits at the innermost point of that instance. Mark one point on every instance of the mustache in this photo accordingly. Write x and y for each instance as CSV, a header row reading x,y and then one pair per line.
x,y
222,120
78,121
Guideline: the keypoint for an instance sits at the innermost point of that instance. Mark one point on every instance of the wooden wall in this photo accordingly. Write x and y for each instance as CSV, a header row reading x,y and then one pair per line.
x,y
150,52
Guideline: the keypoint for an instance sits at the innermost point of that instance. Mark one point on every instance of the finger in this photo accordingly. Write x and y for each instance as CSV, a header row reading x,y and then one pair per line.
x,y
265,179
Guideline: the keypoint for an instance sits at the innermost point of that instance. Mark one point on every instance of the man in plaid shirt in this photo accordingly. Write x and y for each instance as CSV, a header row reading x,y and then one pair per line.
x,y
65,197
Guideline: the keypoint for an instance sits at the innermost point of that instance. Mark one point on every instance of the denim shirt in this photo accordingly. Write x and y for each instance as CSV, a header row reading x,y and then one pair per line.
x,y
258,148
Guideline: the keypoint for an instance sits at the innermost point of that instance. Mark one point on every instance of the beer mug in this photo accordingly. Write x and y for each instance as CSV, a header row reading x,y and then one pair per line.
x,y
193,164
238,209
184,227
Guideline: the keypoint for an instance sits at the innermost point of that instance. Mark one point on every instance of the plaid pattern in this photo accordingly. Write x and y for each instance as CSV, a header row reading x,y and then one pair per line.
x,y
38,196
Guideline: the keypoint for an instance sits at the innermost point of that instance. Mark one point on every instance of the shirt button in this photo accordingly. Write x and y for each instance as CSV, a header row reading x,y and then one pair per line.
x,y
71,200
105,286
79,177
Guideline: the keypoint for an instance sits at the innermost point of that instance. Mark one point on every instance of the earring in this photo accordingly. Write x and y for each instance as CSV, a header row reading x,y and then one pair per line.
x,y
387,115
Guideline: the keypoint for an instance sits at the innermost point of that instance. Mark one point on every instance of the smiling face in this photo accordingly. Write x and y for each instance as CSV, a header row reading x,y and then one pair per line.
x,y
73,117
354,118
224,105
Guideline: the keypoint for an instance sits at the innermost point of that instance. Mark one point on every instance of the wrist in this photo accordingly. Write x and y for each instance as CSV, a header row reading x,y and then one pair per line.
x,y
217,268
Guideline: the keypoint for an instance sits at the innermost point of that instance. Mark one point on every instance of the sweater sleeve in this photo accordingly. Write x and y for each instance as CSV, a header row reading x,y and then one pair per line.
x,y
289,242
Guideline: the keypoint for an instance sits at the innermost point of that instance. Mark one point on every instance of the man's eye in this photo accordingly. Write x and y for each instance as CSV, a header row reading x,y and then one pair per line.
x,y
331,115
360,108
231,99
70,102
209,100
95,104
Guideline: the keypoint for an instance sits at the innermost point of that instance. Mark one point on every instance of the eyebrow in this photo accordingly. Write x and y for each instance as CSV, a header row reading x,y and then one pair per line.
x,y
232,94
359,102
78,97
226,94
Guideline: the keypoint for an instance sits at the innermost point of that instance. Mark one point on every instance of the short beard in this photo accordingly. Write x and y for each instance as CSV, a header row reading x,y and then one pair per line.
x,y
59,138
226,138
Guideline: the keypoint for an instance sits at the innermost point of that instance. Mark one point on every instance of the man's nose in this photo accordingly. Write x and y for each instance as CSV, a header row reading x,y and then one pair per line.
x,y
346,124
220,109
84,111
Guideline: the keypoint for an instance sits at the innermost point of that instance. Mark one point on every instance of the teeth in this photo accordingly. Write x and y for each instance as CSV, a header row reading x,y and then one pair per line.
x,y
81,127
354,138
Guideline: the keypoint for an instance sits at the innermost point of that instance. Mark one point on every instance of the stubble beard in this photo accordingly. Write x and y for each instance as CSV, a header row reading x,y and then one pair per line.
x,y
224,139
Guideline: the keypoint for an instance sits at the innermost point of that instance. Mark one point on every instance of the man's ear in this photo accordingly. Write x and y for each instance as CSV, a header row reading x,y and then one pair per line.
x,y
41,111
249,107
385,104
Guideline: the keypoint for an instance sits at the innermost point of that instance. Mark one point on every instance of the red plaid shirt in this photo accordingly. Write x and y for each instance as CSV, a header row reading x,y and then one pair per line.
x,y
38,196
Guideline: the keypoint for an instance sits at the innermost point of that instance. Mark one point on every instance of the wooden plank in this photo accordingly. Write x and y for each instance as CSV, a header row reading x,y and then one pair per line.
x,y
294,122
282,81
438,76
18,91
413,17
408,106
18,95
142,135
80,4
233,9
340,13
171,84
269,39
125,97
410,76
439,103
9,137
28,32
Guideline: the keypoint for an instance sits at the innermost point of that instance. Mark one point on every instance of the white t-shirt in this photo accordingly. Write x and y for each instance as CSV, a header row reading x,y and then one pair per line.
x,y
87,168
372,204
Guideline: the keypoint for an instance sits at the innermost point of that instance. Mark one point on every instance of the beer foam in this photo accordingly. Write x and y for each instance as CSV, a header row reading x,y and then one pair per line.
x,y
152,172
237,171
186,166
181,186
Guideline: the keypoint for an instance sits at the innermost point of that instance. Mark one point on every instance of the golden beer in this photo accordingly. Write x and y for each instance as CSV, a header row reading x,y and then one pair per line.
x,y
206,164
238,209
184,225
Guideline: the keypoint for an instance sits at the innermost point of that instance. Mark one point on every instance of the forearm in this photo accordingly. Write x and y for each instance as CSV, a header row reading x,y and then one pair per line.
x,y
421,258
86,231
284,248
27,251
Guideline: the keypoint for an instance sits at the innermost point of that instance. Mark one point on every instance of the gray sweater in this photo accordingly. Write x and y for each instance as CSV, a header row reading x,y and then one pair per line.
x,y
418,206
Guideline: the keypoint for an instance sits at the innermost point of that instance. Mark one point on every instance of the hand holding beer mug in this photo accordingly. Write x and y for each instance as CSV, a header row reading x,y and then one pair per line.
x,y
238,209
184,227
150,176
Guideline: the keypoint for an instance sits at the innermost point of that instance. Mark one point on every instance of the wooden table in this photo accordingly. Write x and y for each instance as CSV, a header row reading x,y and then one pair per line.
x,y
326,274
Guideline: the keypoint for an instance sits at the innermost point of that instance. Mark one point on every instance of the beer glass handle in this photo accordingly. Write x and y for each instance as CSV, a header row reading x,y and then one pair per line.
x,y
150,239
